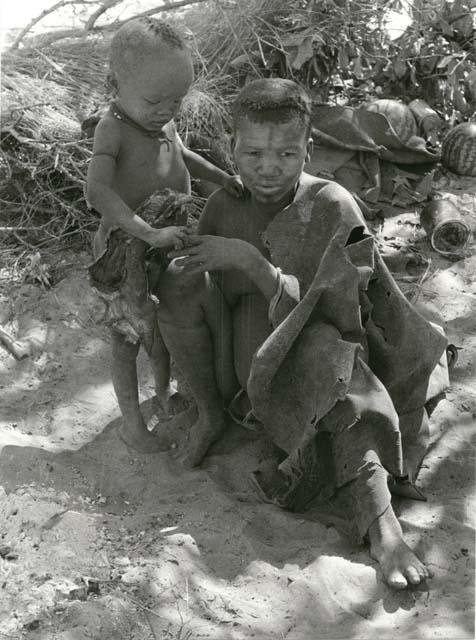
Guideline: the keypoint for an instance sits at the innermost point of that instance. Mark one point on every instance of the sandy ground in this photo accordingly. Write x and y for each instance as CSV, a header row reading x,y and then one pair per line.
x,y
99,542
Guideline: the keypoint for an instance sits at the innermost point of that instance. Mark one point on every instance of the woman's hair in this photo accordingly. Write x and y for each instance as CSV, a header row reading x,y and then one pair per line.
x,y
273,100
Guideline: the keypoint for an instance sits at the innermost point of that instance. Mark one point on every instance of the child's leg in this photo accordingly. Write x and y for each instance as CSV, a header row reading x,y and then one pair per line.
x,y
124,378
168,397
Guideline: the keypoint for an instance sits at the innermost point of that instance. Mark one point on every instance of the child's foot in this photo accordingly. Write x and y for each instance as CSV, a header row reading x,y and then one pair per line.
x,y
139,438
206,430
399,565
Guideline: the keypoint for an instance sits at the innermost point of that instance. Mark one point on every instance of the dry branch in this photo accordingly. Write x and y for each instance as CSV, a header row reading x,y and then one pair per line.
x,y
43,14
99,12
18,349
165,7
46,39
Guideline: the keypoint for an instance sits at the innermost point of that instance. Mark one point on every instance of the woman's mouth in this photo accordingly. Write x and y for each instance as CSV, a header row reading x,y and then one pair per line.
x,y
268,187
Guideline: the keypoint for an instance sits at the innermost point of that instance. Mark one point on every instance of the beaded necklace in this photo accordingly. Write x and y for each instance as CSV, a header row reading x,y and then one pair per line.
x,y
160,136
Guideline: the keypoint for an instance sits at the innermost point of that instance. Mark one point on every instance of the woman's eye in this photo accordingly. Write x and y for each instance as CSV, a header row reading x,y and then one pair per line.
x,y
288,154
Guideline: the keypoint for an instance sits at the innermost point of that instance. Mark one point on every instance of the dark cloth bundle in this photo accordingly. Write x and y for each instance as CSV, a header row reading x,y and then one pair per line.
x,y
362,151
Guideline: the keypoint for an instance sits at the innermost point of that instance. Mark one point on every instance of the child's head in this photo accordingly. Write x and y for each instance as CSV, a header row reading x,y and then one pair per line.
x,y
151,71
272,125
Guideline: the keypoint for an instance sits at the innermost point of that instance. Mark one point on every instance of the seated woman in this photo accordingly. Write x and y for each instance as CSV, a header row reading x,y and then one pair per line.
x,y
284,296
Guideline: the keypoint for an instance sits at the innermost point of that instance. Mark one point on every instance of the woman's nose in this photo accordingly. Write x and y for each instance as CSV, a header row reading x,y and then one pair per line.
x,y
268,165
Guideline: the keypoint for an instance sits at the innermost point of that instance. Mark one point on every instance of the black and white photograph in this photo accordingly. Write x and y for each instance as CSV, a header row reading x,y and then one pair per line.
x,y
237,319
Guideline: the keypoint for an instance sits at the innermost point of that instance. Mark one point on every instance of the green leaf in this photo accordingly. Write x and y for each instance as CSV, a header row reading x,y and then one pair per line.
x,y
305,51
400,68
358,73
446,60
446,28
343,58
471,83
240,61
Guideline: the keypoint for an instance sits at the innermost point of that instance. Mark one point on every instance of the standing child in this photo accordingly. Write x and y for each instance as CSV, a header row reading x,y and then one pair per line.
x,y
136,152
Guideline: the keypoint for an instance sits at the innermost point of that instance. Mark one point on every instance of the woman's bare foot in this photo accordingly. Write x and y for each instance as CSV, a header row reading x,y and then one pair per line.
x,y
206,430
169,400
399,564
139,438
172,432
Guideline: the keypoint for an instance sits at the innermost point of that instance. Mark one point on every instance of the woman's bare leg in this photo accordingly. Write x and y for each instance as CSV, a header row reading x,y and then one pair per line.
x,y
373,512
196,327
399,564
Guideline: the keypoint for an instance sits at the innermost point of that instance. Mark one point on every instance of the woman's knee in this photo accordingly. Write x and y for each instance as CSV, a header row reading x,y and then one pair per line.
x,y
180,292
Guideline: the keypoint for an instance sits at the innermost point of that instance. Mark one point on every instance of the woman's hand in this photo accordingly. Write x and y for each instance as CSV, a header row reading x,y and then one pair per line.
x,y
213,253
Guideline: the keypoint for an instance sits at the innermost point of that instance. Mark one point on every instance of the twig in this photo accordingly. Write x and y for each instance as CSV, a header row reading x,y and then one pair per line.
x,y
55,66
19,350
150,12
48,38
108,4
419,284
13,229
142,606
156,637
28,106
23,242
43,14
24,140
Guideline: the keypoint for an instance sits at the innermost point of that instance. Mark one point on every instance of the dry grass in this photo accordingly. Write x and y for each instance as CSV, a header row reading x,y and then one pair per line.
x,y
45,97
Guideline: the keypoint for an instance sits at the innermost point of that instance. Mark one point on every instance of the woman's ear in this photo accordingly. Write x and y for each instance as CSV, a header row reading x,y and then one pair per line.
x,y
111,83
309,149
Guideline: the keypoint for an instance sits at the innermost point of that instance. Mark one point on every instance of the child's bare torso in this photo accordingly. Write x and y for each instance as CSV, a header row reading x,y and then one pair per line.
x,y
147,164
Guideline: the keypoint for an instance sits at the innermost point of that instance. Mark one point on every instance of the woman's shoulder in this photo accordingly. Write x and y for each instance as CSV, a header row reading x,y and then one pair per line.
x,y
312,186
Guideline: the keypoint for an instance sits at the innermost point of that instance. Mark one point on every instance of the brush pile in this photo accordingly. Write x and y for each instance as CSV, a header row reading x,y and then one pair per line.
x,y
45,97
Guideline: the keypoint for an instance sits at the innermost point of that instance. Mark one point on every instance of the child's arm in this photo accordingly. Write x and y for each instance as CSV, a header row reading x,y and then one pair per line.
x,y
103,198
201,169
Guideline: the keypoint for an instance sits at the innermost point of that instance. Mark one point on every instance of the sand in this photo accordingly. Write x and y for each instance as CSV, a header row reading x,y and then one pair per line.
x,y
102,543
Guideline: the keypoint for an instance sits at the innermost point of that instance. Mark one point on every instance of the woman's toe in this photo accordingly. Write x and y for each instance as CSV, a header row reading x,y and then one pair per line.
x,y
397,580
413,575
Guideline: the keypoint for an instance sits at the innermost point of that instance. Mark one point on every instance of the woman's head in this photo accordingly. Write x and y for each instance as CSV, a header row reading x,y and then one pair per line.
x,y
271,140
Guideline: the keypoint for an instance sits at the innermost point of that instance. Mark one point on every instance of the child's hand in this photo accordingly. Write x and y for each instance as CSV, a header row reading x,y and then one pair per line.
x,y
234,186
175,237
